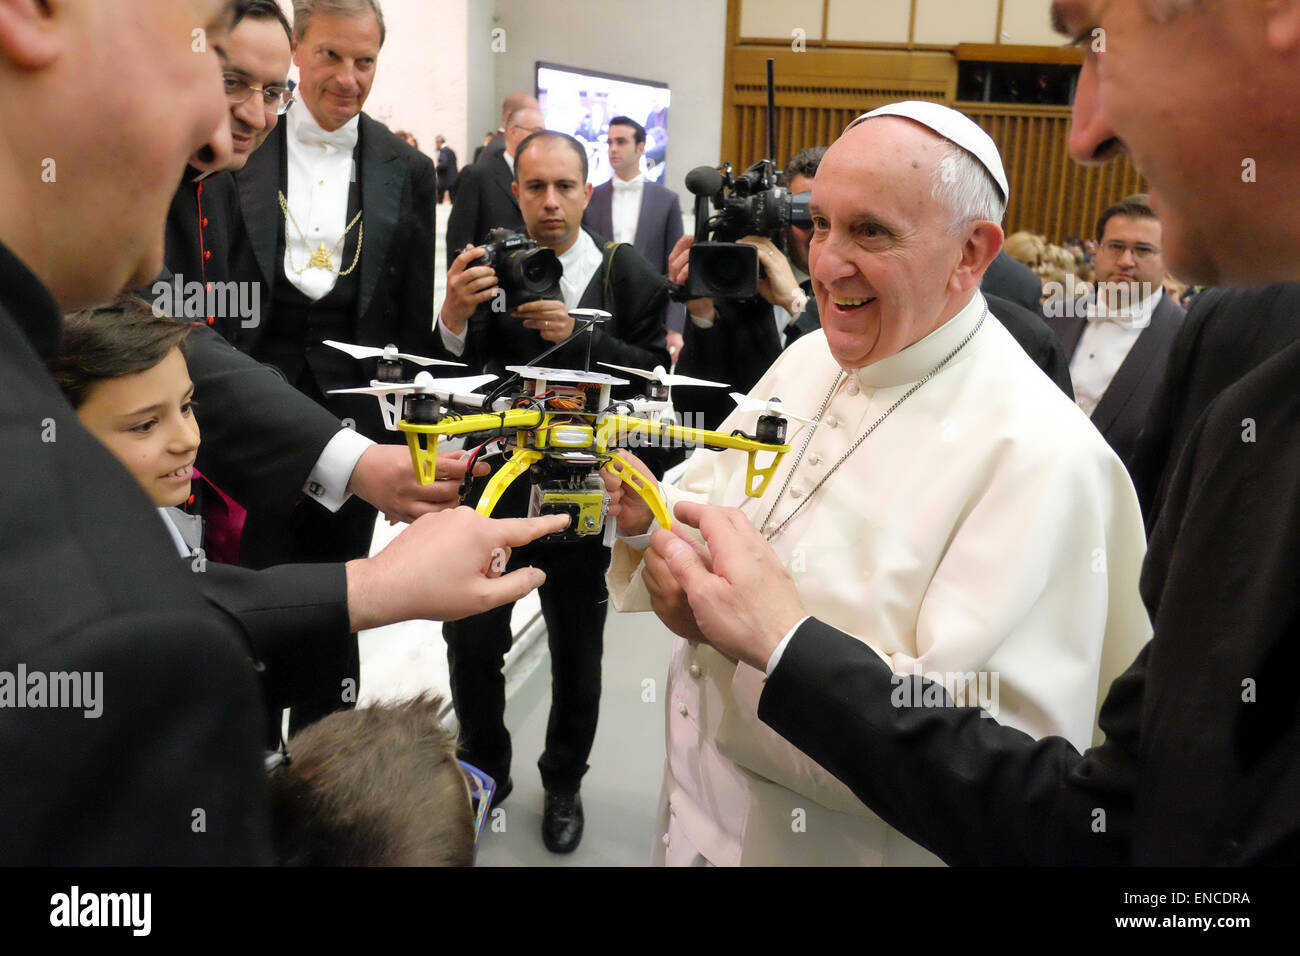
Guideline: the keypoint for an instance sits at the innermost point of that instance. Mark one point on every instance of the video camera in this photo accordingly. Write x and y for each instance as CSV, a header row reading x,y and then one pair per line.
x,y
525,271
751,204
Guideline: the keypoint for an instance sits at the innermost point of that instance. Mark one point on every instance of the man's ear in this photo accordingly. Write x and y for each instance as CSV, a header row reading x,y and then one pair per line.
x,y
29,36
982,245
587,190
514,188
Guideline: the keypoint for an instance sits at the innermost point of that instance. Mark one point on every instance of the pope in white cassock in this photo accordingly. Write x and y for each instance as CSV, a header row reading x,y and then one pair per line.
x,y
952,509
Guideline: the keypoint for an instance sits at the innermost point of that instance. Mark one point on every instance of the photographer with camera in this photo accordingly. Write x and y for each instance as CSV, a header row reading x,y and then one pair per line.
x,y
508,302
735,340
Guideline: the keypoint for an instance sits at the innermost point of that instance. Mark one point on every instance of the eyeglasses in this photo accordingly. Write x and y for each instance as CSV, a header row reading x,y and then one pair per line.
x,y
1140,251
275,99
481,790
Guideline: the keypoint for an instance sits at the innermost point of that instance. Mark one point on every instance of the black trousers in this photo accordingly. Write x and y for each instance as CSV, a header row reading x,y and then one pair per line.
x,y
574,601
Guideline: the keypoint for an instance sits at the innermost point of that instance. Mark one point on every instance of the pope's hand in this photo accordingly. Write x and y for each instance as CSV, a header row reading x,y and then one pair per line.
x,y
385,477
667,599
444,567
747,601
626,506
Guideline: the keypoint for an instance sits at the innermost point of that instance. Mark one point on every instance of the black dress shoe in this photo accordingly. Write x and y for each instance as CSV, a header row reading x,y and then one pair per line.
x,y
562,822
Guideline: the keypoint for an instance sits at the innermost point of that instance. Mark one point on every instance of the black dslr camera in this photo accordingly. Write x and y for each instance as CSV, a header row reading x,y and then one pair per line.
x,y
751,204
525,271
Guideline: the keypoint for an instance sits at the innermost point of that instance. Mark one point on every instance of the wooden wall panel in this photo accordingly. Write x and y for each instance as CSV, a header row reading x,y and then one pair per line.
x,y
1050,193
818,92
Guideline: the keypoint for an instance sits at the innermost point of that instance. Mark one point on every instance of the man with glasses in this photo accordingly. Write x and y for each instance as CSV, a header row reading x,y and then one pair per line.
x,y
1120,345
485,196
254,69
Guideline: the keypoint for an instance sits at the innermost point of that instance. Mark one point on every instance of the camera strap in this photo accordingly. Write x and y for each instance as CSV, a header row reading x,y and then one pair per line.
x,y
607,267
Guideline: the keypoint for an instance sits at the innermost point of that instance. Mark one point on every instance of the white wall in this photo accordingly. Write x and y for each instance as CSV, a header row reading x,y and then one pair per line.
x,y
678,42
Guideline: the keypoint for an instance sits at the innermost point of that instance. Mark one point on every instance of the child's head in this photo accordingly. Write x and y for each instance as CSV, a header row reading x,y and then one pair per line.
x,y
123,370
377,786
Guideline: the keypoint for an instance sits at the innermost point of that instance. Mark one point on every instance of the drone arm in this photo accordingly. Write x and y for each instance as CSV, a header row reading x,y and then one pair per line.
x,y
615,429
516,465
619,466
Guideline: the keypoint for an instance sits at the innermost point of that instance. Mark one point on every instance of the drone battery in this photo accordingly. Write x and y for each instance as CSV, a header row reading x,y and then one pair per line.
x,y
586,508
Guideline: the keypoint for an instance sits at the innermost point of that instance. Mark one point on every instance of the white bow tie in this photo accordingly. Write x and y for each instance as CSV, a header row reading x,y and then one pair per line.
x,y
344,138
1125,319
626,185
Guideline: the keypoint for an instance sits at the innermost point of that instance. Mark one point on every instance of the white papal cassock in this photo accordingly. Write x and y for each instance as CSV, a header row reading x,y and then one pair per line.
x,y
984,526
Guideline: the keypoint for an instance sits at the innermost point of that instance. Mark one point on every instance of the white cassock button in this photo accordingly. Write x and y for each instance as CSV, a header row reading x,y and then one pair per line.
x,y
796,493
665,840
814,460
833,422
695,670
672,810
853,386
681,709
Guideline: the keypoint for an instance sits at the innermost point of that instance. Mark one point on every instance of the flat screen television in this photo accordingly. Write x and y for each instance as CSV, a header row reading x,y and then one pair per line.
x,y
582,102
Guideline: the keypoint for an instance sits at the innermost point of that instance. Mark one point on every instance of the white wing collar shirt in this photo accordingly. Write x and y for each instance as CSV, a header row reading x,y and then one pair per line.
x,y
985,528
1104,344
625,207
320,175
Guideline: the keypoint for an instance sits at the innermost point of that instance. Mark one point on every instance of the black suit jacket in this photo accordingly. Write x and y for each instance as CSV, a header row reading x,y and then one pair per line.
x,y
1123,408
484,200
446,168
91,583
398,202
1009,279
658,227
1227,333
1198,766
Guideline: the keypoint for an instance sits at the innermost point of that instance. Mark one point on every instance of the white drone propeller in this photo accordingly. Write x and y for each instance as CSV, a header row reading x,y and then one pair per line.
x,y
772,406
388,352
665,378
424,384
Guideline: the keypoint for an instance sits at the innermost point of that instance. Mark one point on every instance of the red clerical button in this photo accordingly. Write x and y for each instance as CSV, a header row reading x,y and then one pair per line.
x,y
211,320
205,222
208,254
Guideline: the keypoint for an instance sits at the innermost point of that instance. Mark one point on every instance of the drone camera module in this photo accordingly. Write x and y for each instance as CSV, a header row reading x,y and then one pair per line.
x,y
585,502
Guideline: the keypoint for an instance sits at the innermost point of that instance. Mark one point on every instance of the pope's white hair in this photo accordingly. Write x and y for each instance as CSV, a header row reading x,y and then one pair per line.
x,y
966,188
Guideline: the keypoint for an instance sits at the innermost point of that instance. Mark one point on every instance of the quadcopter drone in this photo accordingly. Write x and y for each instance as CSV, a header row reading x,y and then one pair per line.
x,y
562,428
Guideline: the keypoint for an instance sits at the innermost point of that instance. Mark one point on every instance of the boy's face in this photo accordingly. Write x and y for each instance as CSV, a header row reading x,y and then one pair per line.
x,y
147,421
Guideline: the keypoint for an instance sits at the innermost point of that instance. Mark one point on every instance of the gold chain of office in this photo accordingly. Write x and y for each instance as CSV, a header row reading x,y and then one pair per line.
x,y
322,258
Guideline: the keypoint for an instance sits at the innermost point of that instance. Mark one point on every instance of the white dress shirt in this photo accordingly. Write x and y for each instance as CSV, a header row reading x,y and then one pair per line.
x,y
1103,346
625,207
320,175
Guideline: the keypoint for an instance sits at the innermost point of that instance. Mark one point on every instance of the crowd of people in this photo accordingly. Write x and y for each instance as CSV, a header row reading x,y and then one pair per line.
x,y
983,599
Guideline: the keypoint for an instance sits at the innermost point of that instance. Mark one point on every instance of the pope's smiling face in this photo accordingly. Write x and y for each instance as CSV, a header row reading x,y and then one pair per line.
x,y
882,256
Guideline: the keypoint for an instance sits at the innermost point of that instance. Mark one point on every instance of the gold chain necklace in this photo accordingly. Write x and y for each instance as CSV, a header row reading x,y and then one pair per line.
x,y
322,258
769,535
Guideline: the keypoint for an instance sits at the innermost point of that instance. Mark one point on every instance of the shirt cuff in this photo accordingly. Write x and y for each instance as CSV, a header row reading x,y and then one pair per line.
x,y
639,542
775,659
328,481
453,343
703,323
